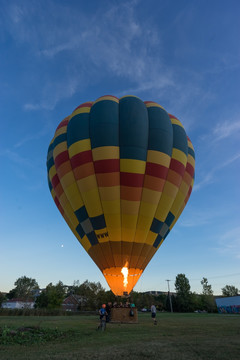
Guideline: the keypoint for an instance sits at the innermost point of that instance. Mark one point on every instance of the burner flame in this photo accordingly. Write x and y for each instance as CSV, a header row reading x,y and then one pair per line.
x,y
124,271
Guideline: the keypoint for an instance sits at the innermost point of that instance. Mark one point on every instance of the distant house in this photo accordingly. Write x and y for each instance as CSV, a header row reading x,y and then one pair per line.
x,y
228,305
72,302
157,293
18,304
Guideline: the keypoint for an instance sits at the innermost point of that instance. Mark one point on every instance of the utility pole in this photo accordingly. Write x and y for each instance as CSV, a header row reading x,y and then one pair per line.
x,y
170,298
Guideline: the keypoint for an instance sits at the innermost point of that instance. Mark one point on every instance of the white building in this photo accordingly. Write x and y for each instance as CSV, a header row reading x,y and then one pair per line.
x,y
18,304
228,305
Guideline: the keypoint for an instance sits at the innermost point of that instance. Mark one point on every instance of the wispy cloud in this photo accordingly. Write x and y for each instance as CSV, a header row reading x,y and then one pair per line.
x,y
17,164
226,129
105,44
110,45
23,167
33,136
230,242
210,175
195,217
16,158
199,219
52,93
16,13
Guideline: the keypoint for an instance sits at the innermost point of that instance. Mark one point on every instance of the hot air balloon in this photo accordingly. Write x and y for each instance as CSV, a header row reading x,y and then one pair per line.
x,y
120,172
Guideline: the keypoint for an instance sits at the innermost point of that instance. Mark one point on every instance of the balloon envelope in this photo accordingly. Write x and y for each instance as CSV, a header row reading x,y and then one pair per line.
x,y
120,172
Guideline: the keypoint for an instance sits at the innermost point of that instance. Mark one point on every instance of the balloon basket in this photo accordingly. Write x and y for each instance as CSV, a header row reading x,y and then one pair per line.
x,y
122,315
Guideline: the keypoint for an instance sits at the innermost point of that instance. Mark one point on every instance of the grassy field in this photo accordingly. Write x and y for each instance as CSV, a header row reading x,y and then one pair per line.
x,y
176,336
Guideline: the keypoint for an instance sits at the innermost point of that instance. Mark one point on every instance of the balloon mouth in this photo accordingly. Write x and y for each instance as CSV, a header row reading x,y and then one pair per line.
x,y
122,280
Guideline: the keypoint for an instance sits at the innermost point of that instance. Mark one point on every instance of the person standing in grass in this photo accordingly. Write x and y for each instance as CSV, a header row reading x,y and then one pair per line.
x,y
103,317
154,313
108,309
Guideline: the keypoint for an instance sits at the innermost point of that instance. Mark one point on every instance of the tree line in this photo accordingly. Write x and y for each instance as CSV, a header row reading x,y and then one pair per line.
x,y
92,295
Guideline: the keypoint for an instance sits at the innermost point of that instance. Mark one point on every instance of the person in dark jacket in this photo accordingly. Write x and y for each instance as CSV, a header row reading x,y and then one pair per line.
x,y
108,309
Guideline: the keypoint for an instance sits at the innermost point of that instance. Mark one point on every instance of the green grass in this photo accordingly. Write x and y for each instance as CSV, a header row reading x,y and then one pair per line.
x,y
176,336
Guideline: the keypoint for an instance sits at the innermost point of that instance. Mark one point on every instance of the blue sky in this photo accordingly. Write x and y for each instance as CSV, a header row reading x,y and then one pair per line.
x,y
56,55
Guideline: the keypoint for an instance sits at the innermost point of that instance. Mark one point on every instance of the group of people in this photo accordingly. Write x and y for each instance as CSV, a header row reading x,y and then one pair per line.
x,y
121,305
105,313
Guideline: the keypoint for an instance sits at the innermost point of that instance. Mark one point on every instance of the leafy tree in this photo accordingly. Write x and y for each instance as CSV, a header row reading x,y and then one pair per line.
x,y
52,297
93,294
25,288
230,290
207,289
145,300
55,295
42,300
12,294
196,301
2,298
182,285
161,302
207,301
106,296
183,298
142,299
134,298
